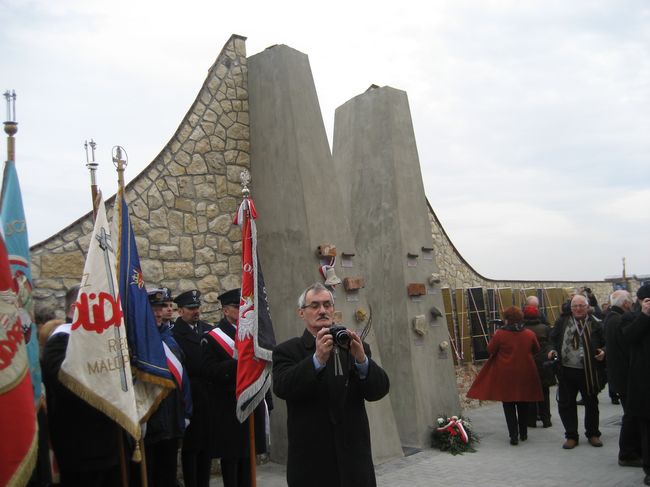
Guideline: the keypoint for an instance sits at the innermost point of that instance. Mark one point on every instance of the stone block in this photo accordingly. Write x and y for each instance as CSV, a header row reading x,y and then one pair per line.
x,y
220,225
190,224
220,268
198,165
175,219
206,191
186,187
68,264
184,204
178,270
168,252
201,271
209,282
183,158
186,248
158,235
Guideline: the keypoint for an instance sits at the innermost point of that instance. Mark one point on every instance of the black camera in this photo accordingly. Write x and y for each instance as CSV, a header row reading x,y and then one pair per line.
x,y
340,335
551,362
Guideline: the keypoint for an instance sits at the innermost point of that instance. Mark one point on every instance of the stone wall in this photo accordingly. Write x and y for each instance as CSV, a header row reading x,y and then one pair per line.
x,y
182,204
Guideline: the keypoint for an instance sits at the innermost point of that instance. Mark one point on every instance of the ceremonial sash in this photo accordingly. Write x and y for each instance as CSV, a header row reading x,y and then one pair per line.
x,y
175,365
227,343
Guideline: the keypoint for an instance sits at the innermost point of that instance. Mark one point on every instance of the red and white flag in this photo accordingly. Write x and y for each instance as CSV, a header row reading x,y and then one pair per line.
x,y
96,366
17,413
254,340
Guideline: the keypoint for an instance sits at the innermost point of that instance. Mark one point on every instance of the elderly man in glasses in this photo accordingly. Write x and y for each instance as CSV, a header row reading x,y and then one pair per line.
x,y
326,383
579,344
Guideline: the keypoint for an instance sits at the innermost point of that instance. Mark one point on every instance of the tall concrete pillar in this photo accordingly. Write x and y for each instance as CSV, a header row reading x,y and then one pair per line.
x,y
300,208
377,166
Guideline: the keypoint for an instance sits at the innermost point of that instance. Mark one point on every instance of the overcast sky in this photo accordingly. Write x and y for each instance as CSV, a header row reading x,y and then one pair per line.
x,y
532,118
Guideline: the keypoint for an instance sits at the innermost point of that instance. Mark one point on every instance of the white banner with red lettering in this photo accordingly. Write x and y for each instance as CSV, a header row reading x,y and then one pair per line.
x,y
96,365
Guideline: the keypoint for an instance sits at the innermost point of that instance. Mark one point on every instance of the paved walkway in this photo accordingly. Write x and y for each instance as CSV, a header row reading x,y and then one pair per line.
x,y
538,462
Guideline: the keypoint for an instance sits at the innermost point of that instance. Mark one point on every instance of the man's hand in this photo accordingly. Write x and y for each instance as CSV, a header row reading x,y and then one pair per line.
x,y
356,348
645,306
552,354
324,345
600,356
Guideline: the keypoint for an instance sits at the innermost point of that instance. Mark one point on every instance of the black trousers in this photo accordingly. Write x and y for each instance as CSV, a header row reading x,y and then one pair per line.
x,y
644,426
162,463
629,439
236,472
571,381
516,418
196,468
541,409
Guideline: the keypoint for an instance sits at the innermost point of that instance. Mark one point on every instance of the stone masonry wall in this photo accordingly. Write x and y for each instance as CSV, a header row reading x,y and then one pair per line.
x,y
182,204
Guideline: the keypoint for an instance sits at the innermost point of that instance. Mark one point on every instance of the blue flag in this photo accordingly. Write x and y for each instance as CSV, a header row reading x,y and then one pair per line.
x,y
14,229
145,344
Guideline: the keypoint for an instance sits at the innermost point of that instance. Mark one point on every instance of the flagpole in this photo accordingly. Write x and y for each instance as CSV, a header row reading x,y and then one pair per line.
x,y
120,162
91,164
245,180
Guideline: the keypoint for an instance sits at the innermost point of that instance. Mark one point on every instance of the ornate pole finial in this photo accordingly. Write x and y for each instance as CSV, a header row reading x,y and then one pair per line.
x,y
120,161
245,179
11,126
92,165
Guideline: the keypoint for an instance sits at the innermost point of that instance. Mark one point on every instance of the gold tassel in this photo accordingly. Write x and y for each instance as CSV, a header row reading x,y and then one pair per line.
x,y
137,454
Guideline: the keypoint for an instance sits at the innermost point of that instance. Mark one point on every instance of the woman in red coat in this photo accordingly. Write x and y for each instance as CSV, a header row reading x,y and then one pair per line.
x,y
510,374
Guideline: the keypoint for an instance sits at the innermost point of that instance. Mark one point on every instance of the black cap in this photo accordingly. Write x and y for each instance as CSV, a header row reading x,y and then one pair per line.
x,y
643,292
160,296
230,297
189,299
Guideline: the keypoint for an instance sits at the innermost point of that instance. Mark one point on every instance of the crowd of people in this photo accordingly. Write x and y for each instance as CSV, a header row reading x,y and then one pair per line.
x,y
585,349
325,384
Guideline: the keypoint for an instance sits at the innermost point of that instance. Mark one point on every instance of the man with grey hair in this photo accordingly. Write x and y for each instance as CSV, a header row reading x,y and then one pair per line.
x,y
579,345
325,382
618,358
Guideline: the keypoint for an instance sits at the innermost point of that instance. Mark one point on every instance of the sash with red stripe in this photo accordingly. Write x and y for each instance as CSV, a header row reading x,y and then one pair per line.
x,y
175,365
227,343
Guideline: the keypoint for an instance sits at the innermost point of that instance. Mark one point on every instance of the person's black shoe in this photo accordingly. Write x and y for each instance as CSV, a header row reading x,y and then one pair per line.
x,y
523,437
514,441
646,480
547,424
635,462
616,400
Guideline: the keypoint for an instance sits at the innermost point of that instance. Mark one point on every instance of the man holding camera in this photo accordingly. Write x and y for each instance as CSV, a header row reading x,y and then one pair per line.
x,y
326,380
579,345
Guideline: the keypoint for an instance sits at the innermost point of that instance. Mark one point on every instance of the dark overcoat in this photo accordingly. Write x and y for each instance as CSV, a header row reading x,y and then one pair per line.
x,y
510,374
542,331
229,437
83,438
197,434
327,424
618,356
637,336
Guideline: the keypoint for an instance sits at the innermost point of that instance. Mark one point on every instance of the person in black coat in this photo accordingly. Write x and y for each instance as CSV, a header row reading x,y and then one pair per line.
x,y
167,424
188,332
542,409
637,337
325,387
579,344
84,440
618,357
230,438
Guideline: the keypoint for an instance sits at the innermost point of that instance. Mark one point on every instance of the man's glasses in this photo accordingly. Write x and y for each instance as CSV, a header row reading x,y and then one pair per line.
x,y
315,305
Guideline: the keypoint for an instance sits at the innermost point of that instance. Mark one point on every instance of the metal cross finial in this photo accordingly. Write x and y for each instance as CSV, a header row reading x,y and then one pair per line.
x,y
245,179
10,96
90,160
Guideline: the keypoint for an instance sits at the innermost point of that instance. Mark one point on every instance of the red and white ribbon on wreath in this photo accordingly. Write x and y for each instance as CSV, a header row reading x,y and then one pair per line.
x,y
456,424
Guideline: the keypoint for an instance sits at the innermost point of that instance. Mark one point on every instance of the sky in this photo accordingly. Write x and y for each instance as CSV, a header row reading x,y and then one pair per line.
x,y
532,118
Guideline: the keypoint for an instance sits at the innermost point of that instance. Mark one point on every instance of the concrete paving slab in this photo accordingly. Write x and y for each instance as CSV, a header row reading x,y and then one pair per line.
x,y
538,462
